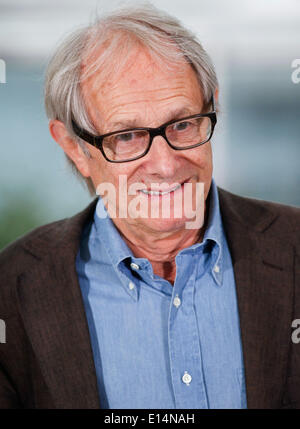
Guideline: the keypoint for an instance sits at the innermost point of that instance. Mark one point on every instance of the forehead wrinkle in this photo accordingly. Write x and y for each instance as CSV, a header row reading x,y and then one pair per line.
x,y
137,122
119,110
158,95
119,107
120,116
125,121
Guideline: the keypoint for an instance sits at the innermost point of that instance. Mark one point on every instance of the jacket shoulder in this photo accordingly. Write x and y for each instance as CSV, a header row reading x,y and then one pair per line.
x,y
36,246
17,258
13,253
279,220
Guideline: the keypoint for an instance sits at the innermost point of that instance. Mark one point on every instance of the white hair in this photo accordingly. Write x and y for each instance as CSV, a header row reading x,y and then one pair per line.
x,y
119,32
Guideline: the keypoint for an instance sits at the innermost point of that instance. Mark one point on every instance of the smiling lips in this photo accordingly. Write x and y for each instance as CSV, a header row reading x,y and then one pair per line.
x,y
161,192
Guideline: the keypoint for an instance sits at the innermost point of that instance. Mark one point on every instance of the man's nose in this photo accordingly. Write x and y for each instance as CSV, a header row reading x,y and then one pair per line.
x,y
162,159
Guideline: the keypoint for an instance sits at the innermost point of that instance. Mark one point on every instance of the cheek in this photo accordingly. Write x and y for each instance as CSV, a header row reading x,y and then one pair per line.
x,y
201,157
103,171
97,167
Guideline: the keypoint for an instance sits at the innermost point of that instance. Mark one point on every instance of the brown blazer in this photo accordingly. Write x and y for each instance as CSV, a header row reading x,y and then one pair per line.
x,y
47,360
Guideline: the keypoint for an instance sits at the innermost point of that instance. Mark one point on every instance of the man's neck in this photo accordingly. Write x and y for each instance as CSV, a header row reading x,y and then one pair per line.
x,y
161,253
160,248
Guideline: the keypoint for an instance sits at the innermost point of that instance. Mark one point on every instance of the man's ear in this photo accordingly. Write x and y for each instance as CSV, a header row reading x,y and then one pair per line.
x,y
216,95
72,149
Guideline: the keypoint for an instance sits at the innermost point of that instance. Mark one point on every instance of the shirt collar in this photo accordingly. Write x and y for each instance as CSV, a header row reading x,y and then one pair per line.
x,y
109,235
116,248
214,231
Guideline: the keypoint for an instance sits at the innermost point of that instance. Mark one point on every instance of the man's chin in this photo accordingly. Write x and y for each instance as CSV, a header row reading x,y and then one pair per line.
x,y
161,225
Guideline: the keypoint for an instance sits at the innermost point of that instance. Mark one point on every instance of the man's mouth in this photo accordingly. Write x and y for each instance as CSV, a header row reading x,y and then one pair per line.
x,y
147,192
155,191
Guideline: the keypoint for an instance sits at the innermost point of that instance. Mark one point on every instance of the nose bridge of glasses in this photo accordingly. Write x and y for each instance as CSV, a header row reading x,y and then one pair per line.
x,y
162,155
156,132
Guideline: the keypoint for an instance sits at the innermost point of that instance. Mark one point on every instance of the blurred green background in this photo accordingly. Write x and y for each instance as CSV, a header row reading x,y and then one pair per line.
x,y
256,145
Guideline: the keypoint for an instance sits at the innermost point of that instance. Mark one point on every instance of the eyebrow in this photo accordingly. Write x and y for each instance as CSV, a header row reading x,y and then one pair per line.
x,y
136,122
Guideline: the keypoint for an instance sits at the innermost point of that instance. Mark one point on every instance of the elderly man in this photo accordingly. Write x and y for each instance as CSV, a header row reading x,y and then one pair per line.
x,y
152,297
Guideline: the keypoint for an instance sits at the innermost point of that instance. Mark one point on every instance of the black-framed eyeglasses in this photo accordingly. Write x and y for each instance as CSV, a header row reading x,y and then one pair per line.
x,y
134,143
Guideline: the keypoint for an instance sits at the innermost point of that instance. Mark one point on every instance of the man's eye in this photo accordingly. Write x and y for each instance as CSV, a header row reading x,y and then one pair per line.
x,y
181,126
126,137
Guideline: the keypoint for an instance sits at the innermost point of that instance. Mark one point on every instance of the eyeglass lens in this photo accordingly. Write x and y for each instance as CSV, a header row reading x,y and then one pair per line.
x,y
180,134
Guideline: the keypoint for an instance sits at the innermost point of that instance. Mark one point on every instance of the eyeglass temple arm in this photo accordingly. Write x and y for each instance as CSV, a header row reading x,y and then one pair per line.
x,y
82,134
213,103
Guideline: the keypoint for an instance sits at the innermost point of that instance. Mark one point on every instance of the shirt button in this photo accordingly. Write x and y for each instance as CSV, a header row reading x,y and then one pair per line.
x,y
186,378
134,266
216,268
131,285
176,301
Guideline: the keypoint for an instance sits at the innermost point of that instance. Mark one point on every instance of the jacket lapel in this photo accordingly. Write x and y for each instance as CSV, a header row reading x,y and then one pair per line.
x,y
263,274
53,314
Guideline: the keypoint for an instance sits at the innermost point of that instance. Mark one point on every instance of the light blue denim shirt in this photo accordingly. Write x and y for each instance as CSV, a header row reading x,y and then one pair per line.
x,y
156,345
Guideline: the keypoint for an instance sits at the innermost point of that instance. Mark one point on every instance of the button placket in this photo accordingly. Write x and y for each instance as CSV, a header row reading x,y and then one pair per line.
x,y
184,343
